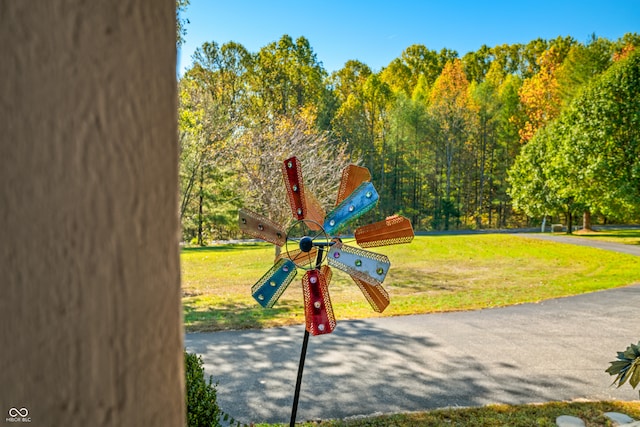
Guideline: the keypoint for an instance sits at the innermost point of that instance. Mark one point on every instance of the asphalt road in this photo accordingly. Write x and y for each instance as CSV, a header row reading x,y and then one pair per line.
x,y
549,351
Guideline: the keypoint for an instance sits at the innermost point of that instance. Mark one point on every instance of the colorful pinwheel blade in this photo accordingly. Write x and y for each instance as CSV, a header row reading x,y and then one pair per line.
x,y
359,202
303,205
370,267
319,318
300,258
352,177
326,271
261,227
315,212
376,295
392,231
268,289
295,187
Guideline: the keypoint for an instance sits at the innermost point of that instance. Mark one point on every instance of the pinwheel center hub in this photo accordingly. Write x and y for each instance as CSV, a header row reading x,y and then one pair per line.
x,y
306,244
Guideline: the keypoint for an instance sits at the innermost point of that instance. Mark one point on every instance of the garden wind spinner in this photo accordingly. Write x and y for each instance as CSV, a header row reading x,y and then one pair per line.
x,y
312,244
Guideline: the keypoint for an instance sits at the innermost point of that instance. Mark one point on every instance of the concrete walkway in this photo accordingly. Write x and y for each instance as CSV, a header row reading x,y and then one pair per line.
x,y
554,350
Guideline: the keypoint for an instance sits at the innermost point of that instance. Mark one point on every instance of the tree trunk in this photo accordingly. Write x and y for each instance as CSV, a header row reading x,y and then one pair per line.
x,y
569,223
586,220
200,203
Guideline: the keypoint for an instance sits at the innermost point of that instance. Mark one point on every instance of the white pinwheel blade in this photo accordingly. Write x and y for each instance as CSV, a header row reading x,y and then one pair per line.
x,y
370,267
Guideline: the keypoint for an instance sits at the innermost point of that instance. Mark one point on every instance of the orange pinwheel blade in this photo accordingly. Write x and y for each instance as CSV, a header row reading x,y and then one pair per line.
x,y
352,177
300,258
326,271
315,212
394,230
318,312
376,295
261,227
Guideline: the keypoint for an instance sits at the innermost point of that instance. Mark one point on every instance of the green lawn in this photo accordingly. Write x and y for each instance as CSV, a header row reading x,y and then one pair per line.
x,y
544,415
432,274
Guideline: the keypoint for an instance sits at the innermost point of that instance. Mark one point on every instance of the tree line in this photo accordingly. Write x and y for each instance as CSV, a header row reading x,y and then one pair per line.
x,y
498,137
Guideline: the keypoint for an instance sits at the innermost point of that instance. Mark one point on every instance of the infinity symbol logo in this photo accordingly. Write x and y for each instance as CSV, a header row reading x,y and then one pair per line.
x,y
15,412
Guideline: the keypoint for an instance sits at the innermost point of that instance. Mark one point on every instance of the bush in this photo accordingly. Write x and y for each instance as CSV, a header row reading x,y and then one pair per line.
x,y
202,409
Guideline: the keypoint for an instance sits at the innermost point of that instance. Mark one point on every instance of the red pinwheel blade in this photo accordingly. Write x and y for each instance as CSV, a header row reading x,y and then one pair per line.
x,y
352,177
261,227
295,187
319,318
303,205
392,231
376,295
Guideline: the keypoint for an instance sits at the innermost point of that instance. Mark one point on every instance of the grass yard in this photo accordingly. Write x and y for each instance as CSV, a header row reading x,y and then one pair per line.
x,y
544,415
432,274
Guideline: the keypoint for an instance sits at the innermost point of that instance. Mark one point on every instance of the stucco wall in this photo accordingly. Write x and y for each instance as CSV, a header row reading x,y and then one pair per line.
x,y
90,320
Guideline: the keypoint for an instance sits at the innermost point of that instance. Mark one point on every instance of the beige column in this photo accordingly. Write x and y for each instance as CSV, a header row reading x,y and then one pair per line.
x,y
90,318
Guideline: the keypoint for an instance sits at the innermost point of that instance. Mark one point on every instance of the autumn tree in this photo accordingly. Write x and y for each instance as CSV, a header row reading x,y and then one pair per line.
x,y
450,108
258,155
540,95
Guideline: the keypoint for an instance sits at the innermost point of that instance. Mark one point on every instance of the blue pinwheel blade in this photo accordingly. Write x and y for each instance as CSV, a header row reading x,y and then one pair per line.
x,y
270,287
361,201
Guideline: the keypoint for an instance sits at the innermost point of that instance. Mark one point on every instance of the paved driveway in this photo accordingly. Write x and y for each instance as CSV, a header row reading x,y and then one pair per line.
x,y
554,350
585,241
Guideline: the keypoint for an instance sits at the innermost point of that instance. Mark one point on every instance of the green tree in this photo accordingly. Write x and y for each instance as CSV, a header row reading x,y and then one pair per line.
x,y
210,106
286,78
539,184
181,30
581,64
603,141
588,159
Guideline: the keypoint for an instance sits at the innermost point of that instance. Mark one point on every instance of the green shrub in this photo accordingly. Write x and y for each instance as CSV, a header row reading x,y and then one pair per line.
x,y
202,409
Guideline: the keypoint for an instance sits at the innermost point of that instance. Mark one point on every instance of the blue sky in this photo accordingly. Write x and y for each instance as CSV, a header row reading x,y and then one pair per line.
x,y
375,32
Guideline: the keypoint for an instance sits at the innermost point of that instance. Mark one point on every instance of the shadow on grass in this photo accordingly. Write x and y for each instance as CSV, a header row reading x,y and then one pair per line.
x,y
227,247
228,316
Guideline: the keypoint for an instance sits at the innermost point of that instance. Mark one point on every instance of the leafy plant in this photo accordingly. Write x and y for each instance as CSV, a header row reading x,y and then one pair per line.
x,y
202,408
627,367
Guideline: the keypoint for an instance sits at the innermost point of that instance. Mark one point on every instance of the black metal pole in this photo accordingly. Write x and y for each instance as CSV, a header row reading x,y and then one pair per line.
x,y
296,396
303,355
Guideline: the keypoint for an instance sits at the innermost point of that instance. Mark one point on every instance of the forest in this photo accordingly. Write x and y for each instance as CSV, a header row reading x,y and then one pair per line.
x,y
501,137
